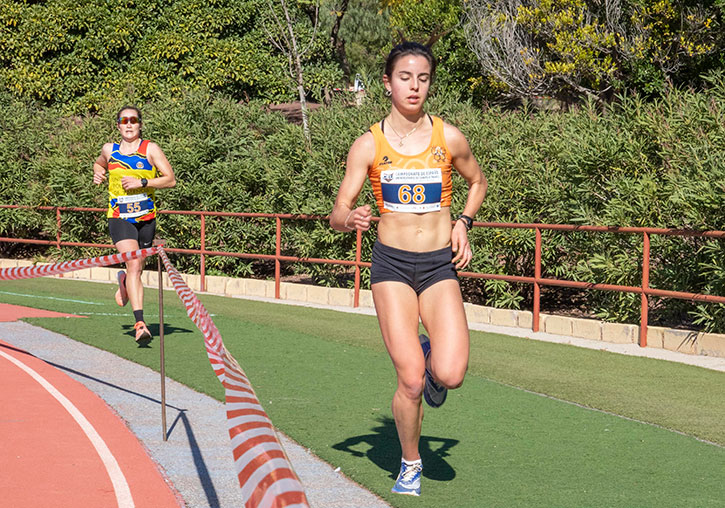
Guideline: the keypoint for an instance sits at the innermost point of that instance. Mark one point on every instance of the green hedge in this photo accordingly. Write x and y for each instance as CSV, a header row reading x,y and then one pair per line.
x,y
658,164
78,54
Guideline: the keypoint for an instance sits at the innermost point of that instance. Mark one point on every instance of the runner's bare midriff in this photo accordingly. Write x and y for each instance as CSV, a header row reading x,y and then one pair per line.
x,y
416,232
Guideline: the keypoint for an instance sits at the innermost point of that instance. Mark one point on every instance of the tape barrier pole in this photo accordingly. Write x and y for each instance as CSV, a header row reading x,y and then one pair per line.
x,y
264,472
162,349
265,475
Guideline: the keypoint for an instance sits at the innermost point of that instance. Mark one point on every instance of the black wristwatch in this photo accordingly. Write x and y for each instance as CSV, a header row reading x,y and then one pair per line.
x,y
144,182
467,221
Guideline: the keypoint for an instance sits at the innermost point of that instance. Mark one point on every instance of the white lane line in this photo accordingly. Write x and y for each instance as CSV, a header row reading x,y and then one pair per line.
x,y
51,298
120,485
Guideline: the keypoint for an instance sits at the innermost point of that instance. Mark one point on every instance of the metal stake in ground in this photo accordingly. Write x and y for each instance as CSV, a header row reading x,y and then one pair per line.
x,y
162,361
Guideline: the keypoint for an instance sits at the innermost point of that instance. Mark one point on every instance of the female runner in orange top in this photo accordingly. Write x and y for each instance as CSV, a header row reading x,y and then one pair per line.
x,y
408,157
136,168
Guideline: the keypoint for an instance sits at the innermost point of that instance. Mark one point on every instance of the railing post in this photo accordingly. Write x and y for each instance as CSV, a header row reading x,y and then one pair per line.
x,y
57,223
358,250
537,276
645,286
203,257
277,254
57,230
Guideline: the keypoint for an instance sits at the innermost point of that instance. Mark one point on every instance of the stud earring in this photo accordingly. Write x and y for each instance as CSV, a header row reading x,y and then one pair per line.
x,y
388,93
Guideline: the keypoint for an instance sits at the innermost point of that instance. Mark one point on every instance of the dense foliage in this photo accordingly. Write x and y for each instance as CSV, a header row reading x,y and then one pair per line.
x,y
576,48
83,53
636,163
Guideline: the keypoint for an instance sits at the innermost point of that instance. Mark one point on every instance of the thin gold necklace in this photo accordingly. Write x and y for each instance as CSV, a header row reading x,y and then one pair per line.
x,y
403,138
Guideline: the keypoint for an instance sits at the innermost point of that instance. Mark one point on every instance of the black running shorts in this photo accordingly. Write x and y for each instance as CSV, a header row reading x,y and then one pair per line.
x,y
142,232
419,270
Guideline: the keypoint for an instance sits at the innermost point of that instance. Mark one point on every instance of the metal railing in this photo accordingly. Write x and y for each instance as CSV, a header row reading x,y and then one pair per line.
x,y
537,280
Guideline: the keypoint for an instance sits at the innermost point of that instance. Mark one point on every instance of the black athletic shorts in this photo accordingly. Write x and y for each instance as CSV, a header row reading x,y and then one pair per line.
x,y
419,270
142,232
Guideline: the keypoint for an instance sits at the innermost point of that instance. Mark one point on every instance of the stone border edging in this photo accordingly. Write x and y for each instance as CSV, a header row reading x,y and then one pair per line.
x,y
683,341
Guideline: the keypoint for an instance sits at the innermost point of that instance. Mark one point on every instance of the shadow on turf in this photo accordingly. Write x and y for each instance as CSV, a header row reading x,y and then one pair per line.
x,y
154,329
383,449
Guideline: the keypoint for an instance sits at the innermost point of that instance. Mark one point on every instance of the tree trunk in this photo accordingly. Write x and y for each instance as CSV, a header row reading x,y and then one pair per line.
x,y
298,71
338,45
303,100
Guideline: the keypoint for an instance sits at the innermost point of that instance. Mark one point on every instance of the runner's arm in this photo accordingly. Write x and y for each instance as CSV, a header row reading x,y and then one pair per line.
x,y
157,158
467,166
100,166
344,217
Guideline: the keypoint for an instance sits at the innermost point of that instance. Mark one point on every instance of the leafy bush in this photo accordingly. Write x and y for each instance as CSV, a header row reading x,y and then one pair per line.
x,y
577,48
81,54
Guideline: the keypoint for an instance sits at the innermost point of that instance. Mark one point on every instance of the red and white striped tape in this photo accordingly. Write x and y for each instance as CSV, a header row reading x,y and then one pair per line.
x,y
30,272
265,475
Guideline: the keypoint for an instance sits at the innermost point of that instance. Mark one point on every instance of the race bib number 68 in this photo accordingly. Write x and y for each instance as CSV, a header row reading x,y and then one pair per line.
x,y
412,190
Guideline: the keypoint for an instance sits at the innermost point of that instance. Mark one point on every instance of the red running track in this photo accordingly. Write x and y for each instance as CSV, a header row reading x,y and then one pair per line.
x,y
62,446
10,312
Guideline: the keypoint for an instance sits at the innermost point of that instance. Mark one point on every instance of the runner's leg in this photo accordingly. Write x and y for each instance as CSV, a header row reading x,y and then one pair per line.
x,y
134,287
443,315
396,305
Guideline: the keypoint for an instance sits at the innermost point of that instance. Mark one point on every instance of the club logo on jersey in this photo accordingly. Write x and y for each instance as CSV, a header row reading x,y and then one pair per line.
x,y
439,153
386,160
139,165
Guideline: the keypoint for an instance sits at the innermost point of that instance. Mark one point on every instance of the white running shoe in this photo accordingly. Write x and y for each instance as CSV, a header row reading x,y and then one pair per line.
x,y
408,481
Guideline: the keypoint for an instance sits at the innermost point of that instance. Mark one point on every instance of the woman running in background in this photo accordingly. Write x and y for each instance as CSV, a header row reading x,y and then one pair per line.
x,y
408,157
136,168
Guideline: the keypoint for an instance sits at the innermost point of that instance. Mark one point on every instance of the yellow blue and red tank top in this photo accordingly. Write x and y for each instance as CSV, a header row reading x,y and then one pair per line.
x,y
137,205
411,183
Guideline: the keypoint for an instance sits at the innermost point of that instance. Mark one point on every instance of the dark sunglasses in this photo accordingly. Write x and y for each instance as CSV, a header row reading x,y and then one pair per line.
x,y
128,119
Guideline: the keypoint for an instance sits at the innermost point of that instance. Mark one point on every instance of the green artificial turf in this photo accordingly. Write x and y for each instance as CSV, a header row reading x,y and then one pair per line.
x,y
325,380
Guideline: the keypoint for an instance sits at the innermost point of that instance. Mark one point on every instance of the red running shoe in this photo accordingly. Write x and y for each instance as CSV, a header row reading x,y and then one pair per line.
x,y
143,335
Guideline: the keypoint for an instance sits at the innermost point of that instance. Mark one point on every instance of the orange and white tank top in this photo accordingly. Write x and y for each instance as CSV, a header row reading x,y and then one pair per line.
x,y
411,183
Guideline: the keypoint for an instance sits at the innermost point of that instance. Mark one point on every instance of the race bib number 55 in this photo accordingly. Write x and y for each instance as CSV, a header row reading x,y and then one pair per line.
x,y
133,206
412,190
